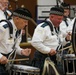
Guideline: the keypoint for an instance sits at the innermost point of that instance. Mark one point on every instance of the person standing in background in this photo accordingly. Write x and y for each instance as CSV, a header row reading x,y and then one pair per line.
x,y
65,24
66,19
4,12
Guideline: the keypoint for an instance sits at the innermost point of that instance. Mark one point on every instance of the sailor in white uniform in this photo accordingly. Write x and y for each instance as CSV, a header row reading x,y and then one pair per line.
x,y
66,20
10,36
47,37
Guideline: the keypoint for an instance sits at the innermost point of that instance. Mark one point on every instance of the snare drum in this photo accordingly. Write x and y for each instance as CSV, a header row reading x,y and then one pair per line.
x,y
69,65
29,70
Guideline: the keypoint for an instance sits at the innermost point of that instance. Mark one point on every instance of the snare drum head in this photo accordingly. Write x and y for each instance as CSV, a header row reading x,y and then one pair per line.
x,y
69,56
74,37
25,68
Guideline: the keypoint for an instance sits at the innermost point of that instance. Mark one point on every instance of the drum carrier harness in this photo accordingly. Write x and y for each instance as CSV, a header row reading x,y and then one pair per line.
x,y
51,27
10,27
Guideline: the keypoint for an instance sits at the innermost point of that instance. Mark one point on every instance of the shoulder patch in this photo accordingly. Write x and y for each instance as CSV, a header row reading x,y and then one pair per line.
x,y
44,25
5,26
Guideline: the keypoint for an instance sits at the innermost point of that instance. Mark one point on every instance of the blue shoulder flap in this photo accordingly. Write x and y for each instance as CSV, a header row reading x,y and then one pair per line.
x,y
44,25
5,26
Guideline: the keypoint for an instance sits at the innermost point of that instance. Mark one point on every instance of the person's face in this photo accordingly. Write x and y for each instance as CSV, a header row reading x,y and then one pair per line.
x,y
4,4
66,12
20,23
56,19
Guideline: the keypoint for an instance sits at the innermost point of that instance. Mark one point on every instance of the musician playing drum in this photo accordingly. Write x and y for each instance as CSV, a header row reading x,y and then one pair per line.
x,y
47,37
10,35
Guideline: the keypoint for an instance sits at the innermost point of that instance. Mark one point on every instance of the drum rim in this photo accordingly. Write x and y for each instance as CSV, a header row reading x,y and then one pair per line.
x,y
73,37
30,68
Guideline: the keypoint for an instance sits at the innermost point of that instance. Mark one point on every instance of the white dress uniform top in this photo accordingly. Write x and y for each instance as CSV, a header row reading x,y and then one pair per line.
x,y
4,34
64,26
5,42
2,16
44,41
70,27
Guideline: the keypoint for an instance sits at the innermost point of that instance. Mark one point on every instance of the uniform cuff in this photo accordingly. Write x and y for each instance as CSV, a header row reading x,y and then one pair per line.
x,y
19,51
1,55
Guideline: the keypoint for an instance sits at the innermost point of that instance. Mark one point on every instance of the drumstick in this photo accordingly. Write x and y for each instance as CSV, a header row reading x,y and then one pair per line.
x,y
19,59
65,48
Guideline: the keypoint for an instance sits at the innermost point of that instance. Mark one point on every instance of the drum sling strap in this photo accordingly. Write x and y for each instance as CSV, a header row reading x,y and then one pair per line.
x,y
66,22
10,27
51,27
11,56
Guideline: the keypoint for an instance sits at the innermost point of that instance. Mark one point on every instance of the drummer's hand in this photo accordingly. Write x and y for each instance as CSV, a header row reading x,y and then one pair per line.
x,y
68,36
3,60
26,51
52,52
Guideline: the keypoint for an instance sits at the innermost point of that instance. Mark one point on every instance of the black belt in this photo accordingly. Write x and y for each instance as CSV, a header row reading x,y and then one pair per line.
x,y
3,65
